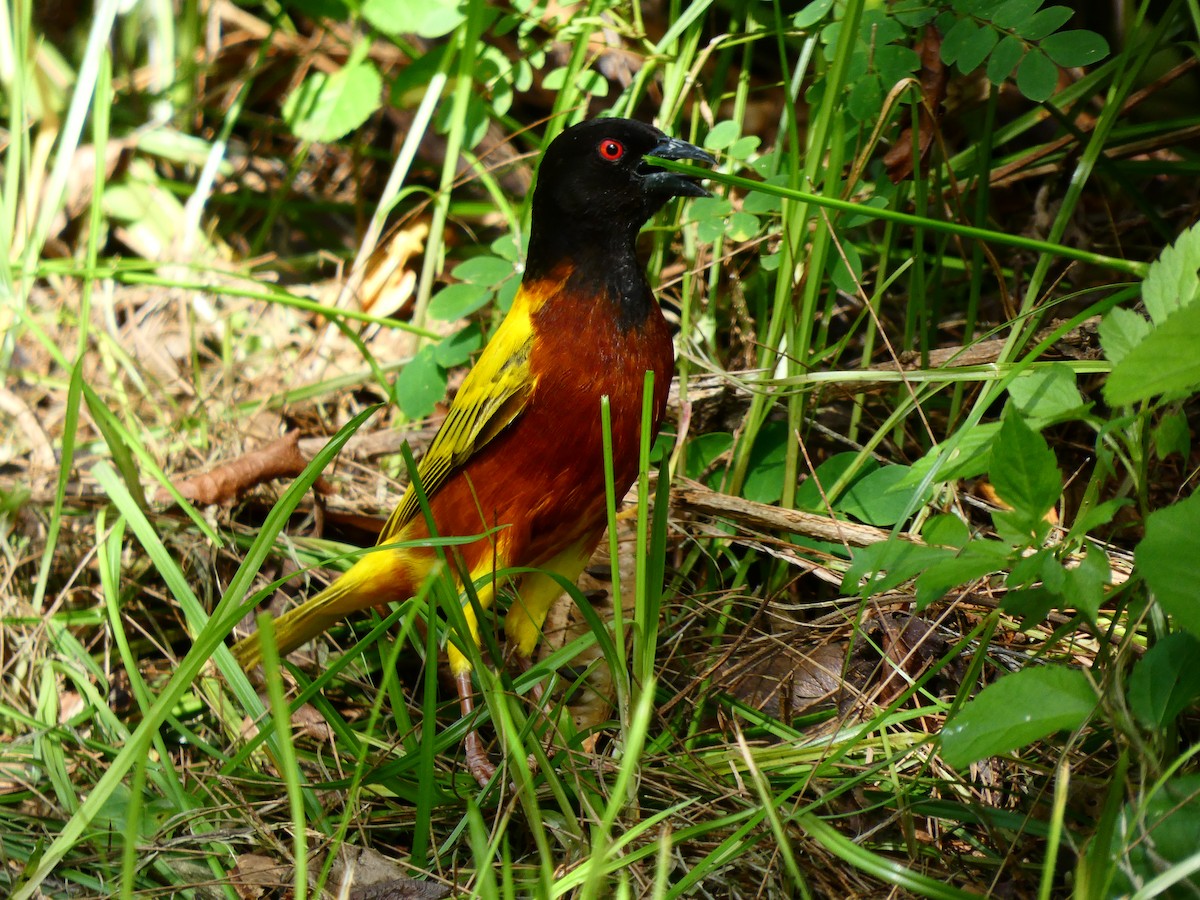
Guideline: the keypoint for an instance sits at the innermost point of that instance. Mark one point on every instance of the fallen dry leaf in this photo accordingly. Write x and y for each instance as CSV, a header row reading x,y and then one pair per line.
x,y
389,281
256,876
370,875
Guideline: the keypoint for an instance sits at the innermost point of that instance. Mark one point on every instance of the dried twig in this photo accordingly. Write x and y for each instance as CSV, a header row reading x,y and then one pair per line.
x,y
696,498
229,481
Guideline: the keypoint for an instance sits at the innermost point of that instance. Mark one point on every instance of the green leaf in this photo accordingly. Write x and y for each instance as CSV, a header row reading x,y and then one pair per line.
x,y
956,39
1047,394
1091,517
663,446
592,83
866,98
1054,574
427,19
114,813
709,208
847,269
709,214
877,498
1019,529
946,530
1045,22
484,269
709,230
743,147
1075,48
722,135
809,493
889,563
764,480
976,49
742,226
1120,331
495,73
458,300
1027,568
588,81
830,35
1165,681
1004,59
1172,281
409,84
458,347
555,79
895,63
1173,435
1012,14
913,17
1083,585
703,450
1024,471
1031,605
877,28
325,108
947,18
767,166
851,220
1162,834
758,203
506,247
420,385
507,293
1166,557
971,456
1018,710
1164,362
977,559
812,14
474,123
1037,77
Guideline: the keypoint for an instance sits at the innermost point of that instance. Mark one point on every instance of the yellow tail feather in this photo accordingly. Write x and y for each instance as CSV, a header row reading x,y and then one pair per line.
x,y
372,581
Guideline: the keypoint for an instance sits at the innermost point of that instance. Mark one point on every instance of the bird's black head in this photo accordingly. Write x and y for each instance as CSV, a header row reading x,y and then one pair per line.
x,y
595,183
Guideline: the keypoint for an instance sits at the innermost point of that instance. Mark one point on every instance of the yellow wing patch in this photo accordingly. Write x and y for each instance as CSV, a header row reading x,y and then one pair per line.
x,y
494,394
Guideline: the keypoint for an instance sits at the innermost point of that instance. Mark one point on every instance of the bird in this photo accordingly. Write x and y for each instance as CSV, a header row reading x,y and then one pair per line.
x,y
519,459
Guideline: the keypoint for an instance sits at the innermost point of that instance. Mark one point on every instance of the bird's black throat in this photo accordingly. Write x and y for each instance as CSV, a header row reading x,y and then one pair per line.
x,y
604,265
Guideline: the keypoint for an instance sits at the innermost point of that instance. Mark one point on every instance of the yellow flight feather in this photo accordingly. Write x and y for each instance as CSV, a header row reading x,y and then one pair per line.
x,y
492,396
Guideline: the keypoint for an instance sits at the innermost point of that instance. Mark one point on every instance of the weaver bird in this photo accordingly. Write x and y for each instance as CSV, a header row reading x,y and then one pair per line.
x,y
520,453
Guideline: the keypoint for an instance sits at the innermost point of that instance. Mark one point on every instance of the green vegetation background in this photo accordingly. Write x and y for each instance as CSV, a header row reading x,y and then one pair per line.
x,y
943,301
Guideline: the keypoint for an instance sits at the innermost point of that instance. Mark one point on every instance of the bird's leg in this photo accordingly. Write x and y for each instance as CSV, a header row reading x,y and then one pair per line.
x,y
535,594
478,763
523,664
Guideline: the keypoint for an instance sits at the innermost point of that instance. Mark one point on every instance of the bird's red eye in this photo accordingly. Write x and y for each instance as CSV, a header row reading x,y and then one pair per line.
x,y
611,150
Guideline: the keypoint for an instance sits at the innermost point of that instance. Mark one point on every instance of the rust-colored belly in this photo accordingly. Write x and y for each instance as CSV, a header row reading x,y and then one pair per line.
x,y
543,477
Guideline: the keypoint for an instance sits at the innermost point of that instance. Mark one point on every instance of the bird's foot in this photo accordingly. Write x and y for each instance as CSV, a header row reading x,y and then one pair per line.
x,y
478,763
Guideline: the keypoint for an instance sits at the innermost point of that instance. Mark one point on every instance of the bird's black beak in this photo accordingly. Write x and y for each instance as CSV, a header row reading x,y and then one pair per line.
x,y
672,184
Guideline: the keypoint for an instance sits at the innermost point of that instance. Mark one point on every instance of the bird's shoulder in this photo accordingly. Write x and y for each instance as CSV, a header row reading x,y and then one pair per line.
x,y
494,393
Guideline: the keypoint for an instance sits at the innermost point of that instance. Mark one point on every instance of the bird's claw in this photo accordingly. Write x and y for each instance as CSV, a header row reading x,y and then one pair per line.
x,y
478,763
